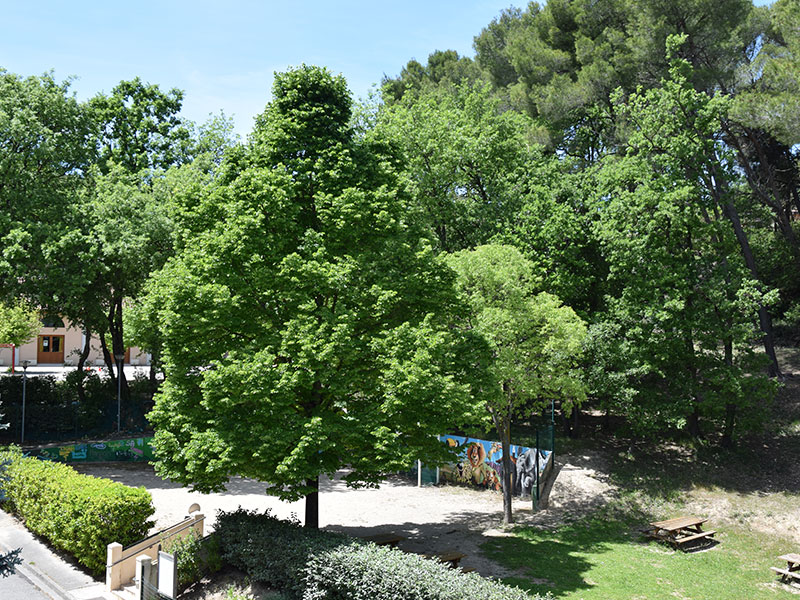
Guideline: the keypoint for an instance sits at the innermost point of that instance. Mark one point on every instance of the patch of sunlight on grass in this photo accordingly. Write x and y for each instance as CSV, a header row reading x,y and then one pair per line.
x,y
602,557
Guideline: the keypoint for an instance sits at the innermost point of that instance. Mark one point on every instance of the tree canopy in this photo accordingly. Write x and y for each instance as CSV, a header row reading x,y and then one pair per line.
x,y
309,328
535,341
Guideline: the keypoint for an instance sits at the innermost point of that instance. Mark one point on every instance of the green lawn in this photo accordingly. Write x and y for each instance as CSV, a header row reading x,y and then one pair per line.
x,y
606,557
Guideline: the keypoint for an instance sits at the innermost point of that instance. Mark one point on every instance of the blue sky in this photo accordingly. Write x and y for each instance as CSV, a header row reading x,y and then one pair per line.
x,y
223,55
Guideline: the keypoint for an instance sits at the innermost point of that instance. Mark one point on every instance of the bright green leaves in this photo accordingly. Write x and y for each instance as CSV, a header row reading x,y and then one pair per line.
x,y
465,157
140,127
676,270
18,323
309,327
536,341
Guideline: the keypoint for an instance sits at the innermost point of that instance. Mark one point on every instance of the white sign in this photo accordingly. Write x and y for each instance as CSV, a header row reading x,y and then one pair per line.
x,y
167,575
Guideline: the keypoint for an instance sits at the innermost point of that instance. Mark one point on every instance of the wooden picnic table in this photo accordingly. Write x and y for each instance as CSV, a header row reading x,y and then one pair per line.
x,y
384,539
680,530
451,558
792,571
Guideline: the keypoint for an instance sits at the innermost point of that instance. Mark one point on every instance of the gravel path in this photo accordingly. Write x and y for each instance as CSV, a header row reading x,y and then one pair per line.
x,y
432,518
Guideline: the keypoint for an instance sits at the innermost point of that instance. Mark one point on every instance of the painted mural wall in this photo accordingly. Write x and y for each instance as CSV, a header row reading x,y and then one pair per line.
x,y
481,464
136,449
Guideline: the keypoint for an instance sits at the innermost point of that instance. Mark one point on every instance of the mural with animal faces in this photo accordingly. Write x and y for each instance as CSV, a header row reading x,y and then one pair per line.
x,y
481,463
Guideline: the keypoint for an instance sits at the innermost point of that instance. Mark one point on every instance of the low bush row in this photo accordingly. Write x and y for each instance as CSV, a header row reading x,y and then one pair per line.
x,y
76,513
316,565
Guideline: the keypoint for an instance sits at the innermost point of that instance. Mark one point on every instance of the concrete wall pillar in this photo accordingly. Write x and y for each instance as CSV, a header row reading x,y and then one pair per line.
x,y
113,571
146,576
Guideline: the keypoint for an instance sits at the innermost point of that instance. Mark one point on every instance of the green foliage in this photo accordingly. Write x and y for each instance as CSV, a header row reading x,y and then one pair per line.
x,y
312,564
561,61
771,101
18,323
55,410
195,556
467,160
44,134
684,301
445,69
139,127
75,513
535,341
309,326
271,550
9,561
552,227
367,572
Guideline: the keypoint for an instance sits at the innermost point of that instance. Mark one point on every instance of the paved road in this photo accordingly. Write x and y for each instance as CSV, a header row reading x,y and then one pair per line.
x,y
17,587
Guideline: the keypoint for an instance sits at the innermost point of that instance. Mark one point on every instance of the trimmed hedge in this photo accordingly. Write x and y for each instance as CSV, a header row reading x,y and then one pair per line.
x,y
76,513
316,565
270,550
370,572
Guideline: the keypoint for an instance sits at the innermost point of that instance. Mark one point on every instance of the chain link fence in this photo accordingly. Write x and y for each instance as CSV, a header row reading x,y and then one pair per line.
x,y
53,411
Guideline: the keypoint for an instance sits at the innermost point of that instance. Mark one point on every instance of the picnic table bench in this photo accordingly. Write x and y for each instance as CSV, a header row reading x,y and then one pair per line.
x,y
384,539
792,571
679,531
451,558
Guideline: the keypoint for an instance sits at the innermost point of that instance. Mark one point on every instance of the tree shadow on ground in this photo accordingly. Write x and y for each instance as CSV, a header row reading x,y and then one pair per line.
x,y
538,560
557,560
761,463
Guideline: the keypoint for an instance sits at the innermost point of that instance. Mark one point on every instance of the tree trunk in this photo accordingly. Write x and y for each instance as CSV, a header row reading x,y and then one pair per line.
x,y
118,343
508,490
312,504
576,431
730,407
82,362
764,318
693,423
108,359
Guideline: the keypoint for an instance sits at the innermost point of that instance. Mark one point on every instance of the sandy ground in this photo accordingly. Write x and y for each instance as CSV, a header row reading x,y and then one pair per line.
x,y
431,518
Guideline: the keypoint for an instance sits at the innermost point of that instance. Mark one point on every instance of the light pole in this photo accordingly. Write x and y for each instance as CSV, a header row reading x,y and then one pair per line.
x,y
119,358
25,364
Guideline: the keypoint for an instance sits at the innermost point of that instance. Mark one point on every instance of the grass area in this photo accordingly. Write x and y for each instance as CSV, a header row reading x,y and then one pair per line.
x,y
605,556
750,493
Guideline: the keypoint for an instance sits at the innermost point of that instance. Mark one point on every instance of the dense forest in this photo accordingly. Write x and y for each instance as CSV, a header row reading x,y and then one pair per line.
x,y
623,173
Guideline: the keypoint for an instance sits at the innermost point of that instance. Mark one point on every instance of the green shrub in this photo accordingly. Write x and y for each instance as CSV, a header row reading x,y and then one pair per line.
x,y
195,556
270,550
370,572
77,513
316,565
186,550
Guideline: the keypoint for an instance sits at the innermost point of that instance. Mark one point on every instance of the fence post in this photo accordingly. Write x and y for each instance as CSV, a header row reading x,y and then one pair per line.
x,y
113,571
199,519
145,576
536,450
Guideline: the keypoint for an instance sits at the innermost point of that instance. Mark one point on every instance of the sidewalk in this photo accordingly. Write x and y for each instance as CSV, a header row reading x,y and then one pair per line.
x,y
44,569
60,372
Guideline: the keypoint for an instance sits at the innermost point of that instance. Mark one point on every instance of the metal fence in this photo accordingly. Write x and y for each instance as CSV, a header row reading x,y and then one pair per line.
x,y
44,409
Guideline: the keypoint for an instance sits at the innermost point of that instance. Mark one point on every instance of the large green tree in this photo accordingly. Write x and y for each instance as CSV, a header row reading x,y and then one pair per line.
x,y
45,152
139,134
309,327
686,296
536,342
466,158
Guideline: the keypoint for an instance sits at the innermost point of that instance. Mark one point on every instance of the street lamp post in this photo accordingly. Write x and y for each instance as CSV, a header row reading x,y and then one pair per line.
x,y
119,358
25,364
